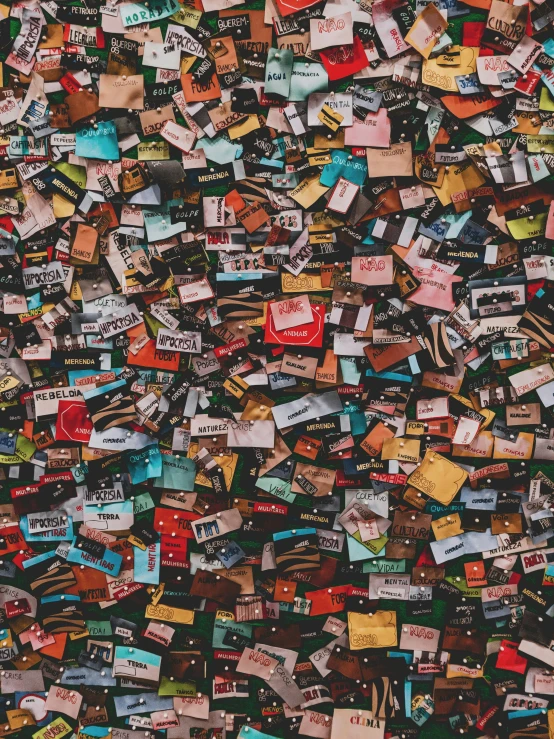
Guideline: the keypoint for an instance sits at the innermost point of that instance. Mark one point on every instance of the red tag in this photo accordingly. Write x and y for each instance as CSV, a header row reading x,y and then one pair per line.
x,y
127,590
527,83
56,477
342,481
310,334
149,356
234,656
328,600
22,557
396,479
472,33
26,490
270,508
509,659
70,84
344,61
16,608
486,717
167,521
173,551
73,422
224,351
350,390
11,539
293,6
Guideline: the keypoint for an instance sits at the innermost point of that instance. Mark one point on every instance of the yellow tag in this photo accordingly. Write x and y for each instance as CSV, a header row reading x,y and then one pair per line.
x,y
551,723
169,613
19,717
157,594
150,150
404,450
250,123
187,17
462,671
8,179
447,526
438,477
546,101
308,191
540,143
8,383
445,79
74,172
62,207
323,222
136,542
75,635
523,228
330,118
320,237
415,428
75,293
302,284
56,728
523,447
369,632
227,462
236,386
7,641
187,61
459,178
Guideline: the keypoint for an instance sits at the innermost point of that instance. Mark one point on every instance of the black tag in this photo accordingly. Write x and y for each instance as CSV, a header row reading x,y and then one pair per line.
x,y
94,548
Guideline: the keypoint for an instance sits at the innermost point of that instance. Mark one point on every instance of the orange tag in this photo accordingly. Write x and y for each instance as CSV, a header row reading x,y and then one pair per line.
x,y
308,447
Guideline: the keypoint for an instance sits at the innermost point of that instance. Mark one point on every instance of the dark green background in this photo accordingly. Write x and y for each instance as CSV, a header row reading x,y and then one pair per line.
x,y
204,621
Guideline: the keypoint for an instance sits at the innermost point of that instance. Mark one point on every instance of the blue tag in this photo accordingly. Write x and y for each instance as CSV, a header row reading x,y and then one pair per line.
x,y
7,442
19,696
177,473
135,13
95,731
64,533
126,705
110,563
158,222
86,676
144,464
353,169
147,564
229,555
38,558
280,535
97,143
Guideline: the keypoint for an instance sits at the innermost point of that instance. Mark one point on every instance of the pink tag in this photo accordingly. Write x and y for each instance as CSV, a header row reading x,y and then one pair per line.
x,y
372,270
431,408
291,312
466,430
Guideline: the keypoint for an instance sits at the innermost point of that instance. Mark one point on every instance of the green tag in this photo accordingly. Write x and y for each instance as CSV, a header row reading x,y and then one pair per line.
x,y
385,566
142,503
99,628
177,687
277,487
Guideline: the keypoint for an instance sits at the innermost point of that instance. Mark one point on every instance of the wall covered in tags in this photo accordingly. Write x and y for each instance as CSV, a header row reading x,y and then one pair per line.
x,y
276,369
